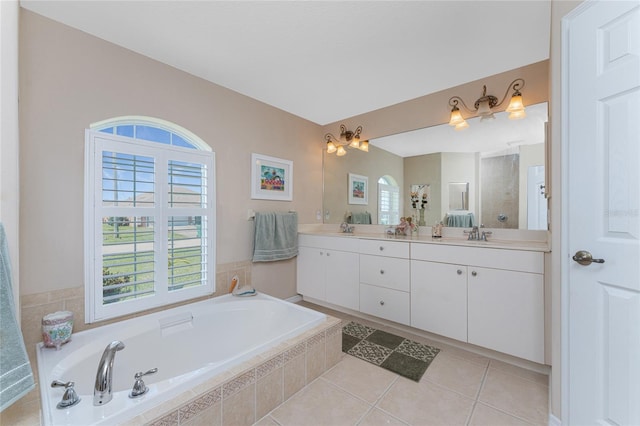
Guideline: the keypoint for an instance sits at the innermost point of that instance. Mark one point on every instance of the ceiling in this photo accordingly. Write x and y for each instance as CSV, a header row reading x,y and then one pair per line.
x,y
322,60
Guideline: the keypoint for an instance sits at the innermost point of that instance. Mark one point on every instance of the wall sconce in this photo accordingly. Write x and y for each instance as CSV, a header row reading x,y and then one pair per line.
x,y
483,107
347,138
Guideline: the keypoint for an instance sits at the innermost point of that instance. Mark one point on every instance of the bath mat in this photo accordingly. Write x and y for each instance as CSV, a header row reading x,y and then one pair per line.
x,y
402,356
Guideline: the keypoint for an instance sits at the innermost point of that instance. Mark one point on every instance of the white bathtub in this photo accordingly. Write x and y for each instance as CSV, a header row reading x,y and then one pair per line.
x,y
188,345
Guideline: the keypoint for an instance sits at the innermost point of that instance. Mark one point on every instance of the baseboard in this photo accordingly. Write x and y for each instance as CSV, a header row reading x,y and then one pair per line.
x,y
554,421
294,299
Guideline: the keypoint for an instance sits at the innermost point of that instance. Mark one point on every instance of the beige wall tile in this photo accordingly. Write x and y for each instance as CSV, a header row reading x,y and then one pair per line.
x,y
211,416
240,408
269,392
315,359
294,375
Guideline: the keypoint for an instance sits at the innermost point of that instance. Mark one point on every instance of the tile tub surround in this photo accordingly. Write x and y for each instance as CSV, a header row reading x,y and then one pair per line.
x,y
249,391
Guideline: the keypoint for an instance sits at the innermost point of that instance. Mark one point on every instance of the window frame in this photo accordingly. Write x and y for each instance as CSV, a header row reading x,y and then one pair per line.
x,y
95,143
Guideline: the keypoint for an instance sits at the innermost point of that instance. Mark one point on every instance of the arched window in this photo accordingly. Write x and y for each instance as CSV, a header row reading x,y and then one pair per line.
x,y
388,201
149,216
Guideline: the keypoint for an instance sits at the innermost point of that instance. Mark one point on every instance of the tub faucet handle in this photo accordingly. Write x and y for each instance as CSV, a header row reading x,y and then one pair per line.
x,y
70,397
139,388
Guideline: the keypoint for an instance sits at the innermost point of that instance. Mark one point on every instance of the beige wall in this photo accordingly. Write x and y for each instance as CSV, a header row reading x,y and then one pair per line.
x,y
433,109
70,79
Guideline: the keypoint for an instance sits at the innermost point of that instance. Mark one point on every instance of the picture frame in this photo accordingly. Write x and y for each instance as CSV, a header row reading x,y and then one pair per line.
x,y
271,178
358,189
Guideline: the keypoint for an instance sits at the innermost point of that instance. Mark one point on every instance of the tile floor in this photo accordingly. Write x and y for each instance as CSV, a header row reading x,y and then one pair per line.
x,y
458,388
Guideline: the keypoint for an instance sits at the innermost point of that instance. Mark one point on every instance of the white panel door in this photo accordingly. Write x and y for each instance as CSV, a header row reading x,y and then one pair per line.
x,y
601,50
536,201
342,279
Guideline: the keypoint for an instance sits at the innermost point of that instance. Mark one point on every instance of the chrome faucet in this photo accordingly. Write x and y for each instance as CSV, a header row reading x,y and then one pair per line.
x,y
346,228
102,392
473,234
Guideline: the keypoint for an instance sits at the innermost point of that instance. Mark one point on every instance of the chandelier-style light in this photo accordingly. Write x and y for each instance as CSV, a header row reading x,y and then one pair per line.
x,y
484,106
348,138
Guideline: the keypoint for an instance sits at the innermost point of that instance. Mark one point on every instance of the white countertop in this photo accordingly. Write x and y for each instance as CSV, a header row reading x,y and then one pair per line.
x,y
503,240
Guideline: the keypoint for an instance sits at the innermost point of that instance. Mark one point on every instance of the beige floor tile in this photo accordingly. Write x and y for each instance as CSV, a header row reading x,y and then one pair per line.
x,y
515,395
543,379
360,378
320,403
456,373
487,416
425,404
266,421
377,417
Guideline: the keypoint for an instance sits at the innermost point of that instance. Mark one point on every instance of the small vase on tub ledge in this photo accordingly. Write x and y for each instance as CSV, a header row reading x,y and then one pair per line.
x,y
57,328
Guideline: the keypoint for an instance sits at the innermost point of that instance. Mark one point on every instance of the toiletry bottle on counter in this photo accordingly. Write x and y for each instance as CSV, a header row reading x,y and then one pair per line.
x,y
436,230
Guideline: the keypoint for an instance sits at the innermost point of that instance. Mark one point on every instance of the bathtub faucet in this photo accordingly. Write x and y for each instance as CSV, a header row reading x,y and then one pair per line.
x,y
102,391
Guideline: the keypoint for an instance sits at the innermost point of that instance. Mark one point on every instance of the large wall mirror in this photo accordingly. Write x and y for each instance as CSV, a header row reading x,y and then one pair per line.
x,y
492,173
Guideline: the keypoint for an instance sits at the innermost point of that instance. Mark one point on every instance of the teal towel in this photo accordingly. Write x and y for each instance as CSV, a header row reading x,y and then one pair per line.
x,y
275,237
360,218
16,376
465,220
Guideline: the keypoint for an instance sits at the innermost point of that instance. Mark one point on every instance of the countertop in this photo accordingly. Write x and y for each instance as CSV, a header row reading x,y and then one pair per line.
x,y
494,243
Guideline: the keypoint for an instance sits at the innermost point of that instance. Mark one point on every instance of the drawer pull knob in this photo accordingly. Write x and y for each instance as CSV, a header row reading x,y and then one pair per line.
x,y
381,271
328,254
381,248
459,271
382,303
474,273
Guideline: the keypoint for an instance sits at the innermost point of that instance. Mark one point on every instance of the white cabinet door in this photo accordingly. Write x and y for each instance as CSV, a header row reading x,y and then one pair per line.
x,y
506,312
342,279
439,298
388,272
310,275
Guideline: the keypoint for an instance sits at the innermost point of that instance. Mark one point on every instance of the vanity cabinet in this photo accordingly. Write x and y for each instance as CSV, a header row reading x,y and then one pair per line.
x,y
327,270
492,298
385,280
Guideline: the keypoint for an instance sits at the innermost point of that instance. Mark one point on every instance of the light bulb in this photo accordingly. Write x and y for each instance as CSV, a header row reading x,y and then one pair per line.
x,y
341,151
331,147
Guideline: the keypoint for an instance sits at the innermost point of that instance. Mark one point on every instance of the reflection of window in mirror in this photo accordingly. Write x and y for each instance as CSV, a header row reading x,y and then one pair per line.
x,y
388,201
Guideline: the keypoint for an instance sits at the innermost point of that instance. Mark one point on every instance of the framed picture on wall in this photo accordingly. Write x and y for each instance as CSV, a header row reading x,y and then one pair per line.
x,y
358,189
271,178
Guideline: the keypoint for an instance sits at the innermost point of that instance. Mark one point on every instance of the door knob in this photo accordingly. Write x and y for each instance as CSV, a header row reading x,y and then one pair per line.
x,y
583,257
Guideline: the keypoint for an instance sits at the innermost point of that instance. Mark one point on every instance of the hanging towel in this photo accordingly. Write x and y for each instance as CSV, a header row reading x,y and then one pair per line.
x,y
361,218
275,237
460,219
16,376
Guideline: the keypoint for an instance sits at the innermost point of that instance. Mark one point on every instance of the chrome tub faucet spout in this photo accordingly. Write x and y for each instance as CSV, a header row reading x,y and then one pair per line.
x,y
102,393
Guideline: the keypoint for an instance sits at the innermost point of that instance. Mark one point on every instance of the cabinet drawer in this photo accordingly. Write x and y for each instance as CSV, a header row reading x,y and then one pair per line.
x,y
514,260
349,243
389,272
385,248
381,302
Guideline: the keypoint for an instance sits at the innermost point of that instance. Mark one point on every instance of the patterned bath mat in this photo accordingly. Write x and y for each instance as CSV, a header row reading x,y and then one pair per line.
x,y
402,356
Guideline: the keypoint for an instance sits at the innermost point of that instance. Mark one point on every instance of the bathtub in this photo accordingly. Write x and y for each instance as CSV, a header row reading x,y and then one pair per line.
x,y
188,345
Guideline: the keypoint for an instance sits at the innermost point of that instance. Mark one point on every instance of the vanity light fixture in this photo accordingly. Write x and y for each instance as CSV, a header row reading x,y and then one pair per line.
x,y
484,106
347,138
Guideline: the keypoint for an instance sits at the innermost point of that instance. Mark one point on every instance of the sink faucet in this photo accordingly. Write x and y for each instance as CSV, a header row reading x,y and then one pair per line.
x,y
102,392
473,234
346,228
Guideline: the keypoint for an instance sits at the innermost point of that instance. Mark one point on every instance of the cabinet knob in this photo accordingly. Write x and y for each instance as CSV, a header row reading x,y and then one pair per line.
x,y
321,253
382,303
381,271
328,254
474,273
459,271
381,248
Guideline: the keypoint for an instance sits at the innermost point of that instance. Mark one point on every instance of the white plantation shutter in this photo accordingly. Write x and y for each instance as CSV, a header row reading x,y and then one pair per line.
x,y
149,224
388,204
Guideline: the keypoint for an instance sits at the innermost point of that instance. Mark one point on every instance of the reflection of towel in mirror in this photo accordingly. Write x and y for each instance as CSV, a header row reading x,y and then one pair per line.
x,y
360,218
276,236
460,220
16,377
